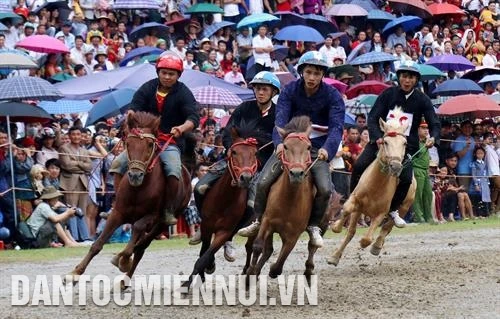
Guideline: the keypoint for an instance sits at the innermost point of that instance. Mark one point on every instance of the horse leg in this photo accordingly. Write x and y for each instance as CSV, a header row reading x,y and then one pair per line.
x,y
367,239
384,231
248,248
288,243
310,262
266,254
114,220
339,223
351,230
258,247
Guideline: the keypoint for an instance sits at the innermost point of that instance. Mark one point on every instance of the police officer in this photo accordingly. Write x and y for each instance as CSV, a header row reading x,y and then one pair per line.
x,y
417,105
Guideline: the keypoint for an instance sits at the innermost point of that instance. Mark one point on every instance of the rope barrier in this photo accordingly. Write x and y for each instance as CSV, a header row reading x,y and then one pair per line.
x,y
430,174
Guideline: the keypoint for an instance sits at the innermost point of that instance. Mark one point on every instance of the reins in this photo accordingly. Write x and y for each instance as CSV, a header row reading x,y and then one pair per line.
x,y
153,157
404,163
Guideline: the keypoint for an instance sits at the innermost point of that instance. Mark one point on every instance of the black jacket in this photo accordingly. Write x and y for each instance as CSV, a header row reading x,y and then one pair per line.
x,y
179,105
244,114
417,104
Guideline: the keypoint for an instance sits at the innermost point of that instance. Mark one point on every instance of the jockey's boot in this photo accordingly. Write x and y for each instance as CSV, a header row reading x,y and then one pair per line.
x,y
229,251
250,230
315,236
398,221
196,239
169,217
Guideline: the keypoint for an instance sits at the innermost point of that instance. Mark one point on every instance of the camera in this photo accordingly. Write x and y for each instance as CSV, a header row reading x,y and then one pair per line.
x,y
62,209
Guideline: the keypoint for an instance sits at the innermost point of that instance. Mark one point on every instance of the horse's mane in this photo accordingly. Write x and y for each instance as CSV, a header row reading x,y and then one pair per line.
x,y
142,120
247,129
397,120
298,124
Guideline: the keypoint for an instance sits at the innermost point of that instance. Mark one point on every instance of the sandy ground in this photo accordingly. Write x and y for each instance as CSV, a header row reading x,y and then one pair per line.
x,y
445,274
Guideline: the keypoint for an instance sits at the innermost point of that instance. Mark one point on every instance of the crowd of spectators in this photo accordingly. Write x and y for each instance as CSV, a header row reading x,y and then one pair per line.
x,y
75,160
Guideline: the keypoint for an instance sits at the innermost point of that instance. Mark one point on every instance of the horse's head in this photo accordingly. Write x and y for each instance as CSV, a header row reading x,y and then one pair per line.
x,y
392,150
296,155
242,159
140,145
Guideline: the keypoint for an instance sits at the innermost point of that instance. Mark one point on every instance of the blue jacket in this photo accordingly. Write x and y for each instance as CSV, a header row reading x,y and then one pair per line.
x,y
325,108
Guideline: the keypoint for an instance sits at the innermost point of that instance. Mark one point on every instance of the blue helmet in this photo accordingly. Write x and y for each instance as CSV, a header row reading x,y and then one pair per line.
x,y
408,67
312,58
269,78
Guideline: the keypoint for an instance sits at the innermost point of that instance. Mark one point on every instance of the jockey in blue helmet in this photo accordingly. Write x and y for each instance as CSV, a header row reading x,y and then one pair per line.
x,y
310,96
261,111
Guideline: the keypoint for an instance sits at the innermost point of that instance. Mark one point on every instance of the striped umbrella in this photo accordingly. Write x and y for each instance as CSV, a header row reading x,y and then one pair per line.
x,y
215,96
28,88
373,57
211,29
346,10
66,106
136,4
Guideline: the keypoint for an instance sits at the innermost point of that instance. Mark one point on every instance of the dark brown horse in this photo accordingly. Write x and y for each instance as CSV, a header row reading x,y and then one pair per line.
x,y
142,196
224,205
289,203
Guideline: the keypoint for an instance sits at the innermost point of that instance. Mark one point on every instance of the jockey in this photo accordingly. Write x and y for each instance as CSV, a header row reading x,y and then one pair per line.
x,y
309,96
265,86
172,100
415,104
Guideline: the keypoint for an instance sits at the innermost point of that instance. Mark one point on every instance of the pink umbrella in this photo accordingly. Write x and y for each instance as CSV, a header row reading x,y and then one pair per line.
x,y
43,44
477,105
341,86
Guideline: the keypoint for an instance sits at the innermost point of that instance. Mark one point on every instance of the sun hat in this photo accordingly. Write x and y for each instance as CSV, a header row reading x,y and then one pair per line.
x,y
50,192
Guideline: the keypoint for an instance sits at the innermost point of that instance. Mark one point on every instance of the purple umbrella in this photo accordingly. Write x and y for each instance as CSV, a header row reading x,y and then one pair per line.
x,y
139,52
157,29
446,62
215,97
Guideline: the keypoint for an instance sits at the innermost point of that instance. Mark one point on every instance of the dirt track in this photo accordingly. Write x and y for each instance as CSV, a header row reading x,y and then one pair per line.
x,y
447,274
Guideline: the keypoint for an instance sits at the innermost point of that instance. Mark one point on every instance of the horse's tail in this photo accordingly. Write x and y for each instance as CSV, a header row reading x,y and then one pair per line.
x,y
189,154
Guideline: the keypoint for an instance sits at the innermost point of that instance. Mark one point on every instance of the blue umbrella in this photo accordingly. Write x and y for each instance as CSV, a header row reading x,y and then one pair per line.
x,y
211,29
28,88
66,106
110,105
457,87
288,18
490,78
150,28
365,4
408,23
373,57
379,15
299,33
139,52
255,20
349,119
360,49
320,23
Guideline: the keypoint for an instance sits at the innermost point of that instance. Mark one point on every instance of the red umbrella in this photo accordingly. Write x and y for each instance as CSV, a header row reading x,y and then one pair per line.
x,y
43,44
444,8
409,7
366,87
478,105
341,86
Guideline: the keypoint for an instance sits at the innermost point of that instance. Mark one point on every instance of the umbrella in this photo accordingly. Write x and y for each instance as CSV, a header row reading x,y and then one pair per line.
x,y
360,49
280,53
255,20
367,5
285,77
367,99
353,106
148,59
408,23
349,119
61,77
139,52
379,15
42,44
428,72
110,105
14,18
150,28
495,97
52,5
22,112
415,7
447,62
478,106
490,78
3,27
444,8
28,88
136,4
480,72
66,106
373,57
320,23
16,61
211,29
457,87
215,97
289,18
346,10
224,120
204,8
340,86
366,87
299,33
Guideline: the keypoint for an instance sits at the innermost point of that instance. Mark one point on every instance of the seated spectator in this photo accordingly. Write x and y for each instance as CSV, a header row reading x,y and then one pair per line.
x,y
235,76
44,223
122,234
454,194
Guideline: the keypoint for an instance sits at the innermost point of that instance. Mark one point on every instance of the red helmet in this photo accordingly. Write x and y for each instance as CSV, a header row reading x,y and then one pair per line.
x,y
170,62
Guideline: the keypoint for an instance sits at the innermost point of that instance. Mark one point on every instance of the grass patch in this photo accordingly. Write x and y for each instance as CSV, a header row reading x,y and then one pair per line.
x,y
52,254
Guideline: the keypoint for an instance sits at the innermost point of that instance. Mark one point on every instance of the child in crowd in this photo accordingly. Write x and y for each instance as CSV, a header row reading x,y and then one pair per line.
x,y
479,188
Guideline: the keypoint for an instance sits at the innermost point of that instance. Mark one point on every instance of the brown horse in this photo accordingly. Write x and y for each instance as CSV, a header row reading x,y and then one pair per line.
x,y
369,197
289,203
142,196
224,205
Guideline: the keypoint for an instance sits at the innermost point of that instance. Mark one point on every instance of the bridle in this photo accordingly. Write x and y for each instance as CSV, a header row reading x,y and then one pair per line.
x,y
385,164
148,165
288,165
236,171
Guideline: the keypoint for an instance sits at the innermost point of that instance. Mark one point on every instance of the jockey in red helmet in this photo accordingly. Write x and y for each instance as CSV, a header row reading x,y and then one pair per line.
x,y
172,100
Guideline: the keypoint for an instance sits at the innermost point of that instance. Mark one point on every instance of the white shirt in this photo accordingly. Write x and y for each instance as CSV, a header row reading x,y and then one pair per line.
x,y
261,58
491,160
182,53
256,6
77,56
231,10
490,60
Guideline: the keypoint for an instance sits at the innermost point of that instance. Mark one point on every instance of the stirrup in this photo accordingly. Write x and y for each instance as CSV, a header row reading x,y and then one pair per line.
x,y
170,219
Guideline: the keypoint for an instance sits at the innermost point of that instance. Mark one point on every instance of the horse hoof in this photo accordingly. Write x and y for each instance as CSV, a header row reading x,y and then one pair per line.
x,y
124,264
337,226
333,260
70,279
375,250
210,270
114,260
124,287
365,242
273,272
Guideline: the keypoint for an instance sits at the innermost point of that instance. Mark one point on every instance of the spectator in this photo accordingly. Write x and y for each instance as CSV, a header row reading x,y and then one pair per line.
x,y
48,150
493,170
98,152
262,47
191,214
235,76
4,231
423,195
464,146
23,162
480,189
53,166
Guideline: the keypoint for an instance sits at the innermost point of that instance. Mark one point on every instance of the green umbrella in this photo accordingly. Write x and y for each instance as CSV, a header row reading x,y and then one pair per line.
x,y
14,18
368,99
61,77
429,72
148,59
204,8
